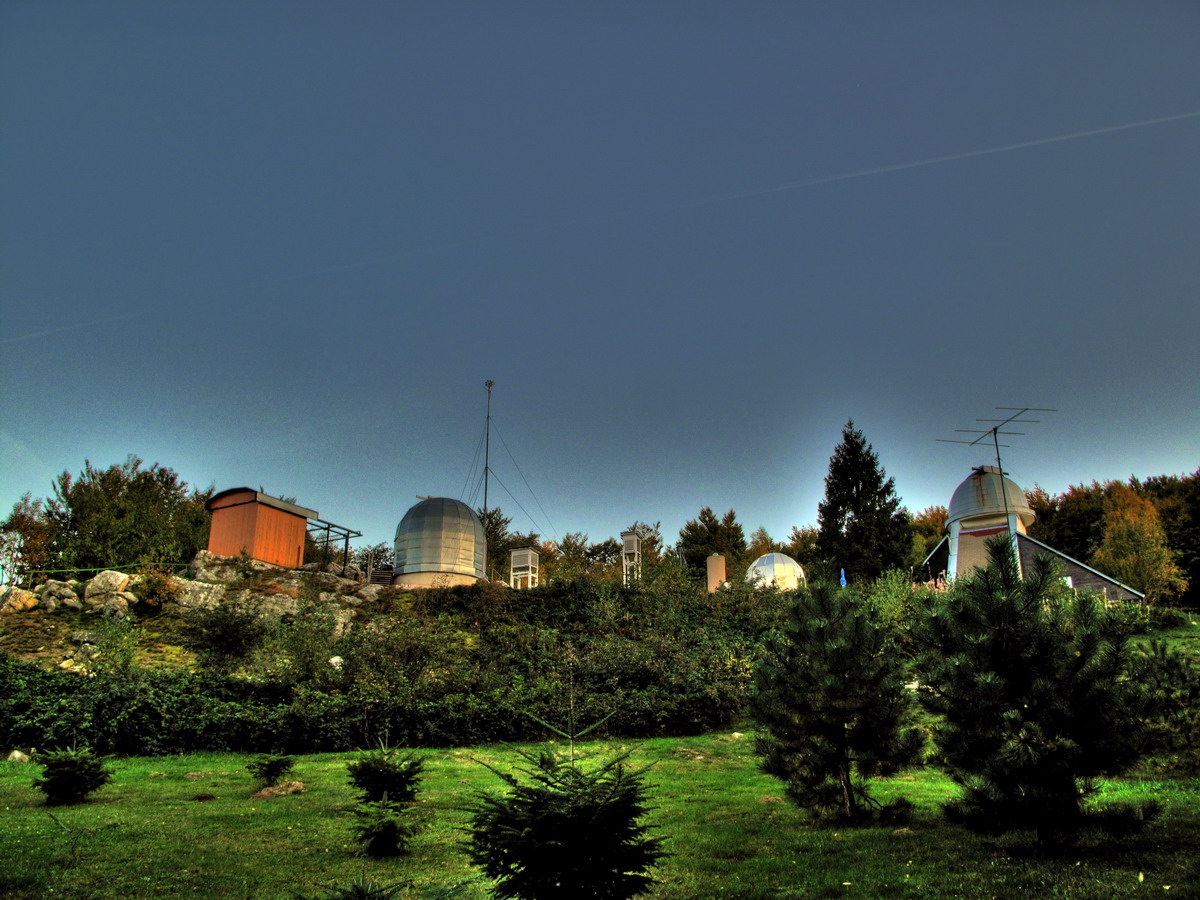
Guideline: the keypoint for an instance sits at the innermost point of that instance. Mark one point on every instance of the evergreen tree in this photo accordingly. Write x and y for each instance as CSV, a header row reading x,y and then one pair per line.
x,y
830,702
705,535
862,527
1037,695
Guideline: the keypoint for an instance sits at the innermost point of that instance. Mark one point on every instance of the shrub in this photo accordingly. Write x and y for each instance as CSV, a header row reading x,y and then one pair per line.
x,y
269,768
155,590
384,828
224,637
383,775
361,888
569,833
831,703
68,776
1038,696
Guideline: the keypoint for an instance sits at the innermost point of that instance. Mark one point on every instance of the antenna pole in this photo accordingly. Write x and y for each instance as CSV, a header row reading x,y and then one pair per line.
x,y
487,445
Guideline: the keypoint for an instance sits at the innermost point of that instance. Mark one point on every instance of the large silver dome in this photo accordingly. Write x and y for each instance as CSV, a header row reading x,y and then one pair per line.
x,y
979,495
439,541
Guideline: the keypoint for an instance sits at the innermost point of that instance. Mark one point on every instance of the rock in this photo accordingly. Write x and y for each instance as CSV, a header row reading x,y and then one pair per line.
x,y
106,582
280,790
15,599
199,595
18,757
326,580
84,637
117,605
369,592
737,735
57,590
48,604
73,603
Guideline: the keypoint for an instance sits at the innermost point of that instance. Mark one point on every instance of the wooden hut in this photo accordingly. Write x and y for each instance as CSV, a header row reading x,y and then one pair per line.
x,y
265,527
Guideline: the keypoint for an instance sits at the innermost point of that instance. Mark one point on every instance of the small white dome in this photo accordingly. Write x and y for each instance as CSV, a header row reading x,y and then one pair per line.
x,y
776,569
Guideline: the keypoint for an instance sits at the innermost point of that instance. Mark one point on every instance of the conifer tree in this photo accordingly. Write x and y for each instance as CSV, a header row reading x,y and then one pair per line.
x,y
830,702
862,527
1038,697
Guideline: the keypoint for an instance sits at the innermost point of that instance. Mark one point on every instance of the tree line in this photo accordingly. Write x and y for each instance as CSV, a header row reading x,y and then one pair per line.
x,y
1143,532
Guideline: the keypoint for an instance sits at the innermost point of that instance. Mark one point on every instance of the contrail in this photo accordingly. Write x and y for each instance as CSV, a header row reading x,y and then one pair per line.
x,y
60,329
933,160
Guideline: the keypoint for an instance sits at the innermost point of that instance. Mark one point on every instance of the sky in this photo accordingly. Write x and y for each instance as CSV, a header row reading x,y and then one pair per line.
x,y
284,244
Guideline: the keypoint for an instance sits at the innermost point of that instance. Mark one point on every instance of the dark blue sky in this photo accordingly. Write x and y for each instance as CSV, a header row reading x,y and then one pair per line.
x,y
284,244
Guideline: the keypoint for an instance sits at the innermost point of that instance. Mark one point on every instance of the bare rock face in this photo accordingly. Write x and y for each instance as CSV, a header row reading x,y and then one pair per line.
x,y
199,594
15,599
106,582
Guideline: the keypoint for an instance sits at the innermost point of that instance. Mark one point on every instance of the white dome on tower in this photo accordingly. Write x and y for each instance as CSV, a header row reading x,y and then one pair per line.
x,y
979,496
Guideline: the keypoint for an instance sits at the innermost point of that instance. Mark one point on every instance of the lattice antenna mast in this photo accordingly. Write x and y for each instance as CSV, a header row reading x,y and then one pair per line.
x,y
487,445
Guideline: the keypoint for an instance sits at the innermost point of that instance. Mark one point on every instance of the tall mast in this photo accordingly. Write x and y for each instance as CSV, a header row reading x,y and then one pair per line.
x,y
487,445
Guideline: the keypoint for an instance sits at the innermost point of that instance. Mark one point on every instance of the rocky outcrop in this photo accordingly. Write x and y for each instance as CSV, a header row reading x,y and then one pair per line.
x,y
273,591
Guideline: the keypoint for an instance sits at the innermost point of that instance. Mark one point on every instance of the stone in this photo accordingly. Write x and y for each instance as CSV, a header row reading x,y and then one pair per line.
x,y
106,582
15,599
326,580
73,603
199,594
84,637
369,592
59,590
18,757
280,790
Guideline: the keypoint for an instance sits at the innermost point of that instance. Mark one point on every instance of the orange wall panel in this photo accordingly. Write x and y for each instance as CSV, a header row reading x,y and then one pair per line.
x,y
263,532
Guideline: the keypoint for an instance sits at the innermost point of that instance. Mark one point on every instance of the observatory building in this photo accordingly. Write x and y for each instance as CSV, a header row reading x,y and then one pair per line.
x,y
988,503
439,542
776,570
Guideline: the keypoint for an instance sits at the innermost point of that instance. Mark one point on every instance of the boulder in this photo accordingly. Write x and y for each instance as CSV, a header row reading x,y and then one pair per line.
x,y
369,592
106,582
59,590
18,757
117,604
199,594
73,603
15,599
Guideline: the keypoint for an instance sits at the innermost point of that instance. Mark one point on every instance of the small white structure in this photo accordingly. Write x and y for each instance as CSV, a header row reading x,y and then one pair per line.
x,y
715,569
631,556
987,503
523,567
776,570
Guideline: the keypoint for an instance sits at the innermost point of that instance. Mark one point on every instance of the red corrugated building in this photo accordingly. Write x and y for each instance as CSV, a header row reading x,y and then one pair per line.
x,y
265,527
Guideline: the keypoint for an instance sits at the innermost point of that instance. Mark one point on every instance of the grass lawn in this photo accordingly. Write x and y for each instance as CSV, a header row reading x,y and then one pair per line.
x,y
728,830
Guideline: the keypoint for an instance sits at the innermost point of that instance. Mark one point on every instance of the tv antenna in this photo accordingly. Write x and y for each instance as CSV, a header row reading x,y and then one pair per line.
x,y
995,432
487,444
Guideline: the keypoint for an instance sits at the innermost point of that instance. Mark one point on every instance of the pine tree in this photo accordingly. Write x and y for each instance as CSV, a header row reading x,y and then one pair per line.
x,y
830,702
1038,697
862,527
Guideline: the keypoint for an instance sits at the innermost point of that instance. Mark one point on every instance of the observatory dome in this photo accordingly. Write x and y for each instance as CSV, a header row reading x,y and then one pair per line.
x,y
979,496
439,542
776,569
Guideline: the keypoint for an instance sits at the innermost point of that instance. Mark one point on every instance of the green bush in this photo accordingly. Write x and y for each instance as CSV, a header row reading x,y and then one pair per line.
x,y
383,775
68,776
269,768
225,636
384,828
361,888
568,833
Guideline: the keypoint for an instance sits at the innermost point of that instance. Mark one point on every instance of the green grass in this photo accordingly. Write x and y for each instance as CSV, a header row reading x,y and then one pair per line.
x,y
729,832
